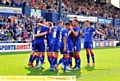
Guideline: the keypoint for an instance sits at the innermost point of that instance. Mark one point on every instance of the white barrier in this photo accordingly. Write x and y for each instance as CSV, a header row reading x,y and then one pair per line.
x,y
13,47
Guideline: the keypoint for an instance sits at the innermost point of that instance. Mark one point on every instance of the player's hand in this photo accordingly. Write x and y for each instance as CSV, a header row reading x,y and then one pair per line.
x,y
71,28
65,49
104,36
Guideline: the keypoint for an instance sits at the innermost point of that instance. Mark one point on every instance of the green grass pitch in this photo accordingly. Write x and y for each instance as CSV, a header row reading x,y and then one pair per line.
x,y
107,66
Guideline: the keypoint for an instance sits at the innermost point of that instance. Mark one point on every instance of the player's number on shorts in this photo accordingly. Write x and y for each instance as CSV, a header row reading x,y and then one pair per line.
x,y
91,45
54,34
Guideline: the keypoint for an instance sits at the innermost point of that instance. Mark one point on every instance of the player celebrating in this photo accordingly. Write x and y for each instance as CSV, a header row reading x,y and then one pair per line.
x,y
49,49
88,43
32,56
40,33
64,46
55,42
75,30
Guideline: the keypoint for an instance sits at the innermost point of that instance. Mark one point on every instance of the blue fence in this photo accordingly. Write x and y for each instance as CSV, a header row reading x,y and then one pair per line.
x,y
51,16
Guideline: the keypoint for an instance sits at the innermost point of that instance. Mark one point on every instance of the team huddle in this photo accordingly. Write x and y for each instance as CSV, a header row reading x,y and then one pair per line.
x,y
64,38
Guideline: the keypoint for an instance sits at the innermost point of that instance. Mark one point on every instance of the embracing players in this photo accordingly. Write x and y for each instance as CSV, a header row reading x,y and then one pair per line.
x,y
39,45
64,50
75,30
55,42
88,43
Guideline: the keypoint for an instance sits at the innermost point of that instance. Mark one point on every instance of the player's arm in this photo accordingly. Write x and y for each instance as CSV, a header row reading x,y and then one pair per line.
x,y
69,32
50,30
64,41
82,33
99,33
75,33
40,24
41,34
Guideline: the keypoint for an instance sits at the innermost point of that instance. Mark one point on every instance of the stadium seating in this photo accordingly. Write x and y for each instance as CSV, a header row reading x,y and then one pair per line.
x,y
18,28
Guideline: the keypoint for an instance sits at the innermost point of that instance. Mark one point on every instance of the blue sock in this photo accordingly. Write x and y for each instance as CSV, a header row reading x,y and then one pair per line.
x,y
55,61
88,58
70,61
78,61
52,65
60,61
37,60
42,59
75,61
34,57
50,60
93,59
65,63
31,57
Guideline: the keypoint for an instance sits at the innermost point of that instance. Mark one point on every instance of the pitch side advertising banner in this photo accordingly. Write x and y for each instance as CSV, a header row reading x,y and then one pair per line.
x,y
12,10
104,21
83,18
9,47
106,43
97,44
111,43
15,47
36,13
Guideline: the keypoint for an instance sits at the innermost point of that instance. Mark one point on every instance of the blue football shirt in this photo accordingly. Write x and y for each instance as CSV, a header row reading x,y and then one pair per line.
x,y
55,35
88,34
40,30
70,39
63,33
77,38
49,38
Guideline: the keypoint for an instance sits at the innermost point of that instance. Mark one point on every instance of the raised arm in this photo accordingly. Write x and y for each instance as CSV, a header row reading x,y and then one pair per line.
x,y
99,33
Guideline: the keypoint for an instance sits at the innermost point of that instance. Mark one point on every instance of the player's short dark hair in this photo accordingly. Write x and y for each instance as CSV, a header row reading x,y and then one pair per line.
x,y
75,17
60,21
76,20
67,23
50,23
41,21
87,21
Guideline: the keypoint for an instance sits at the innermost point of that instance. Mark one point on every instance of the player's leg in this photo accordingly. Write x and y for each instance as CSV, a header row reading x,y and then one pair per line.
x,y
86,47
91,52
71,54
31,56
38,54
64,60
55,58
77,56
88,56
55,54
37,59
52,63
49,56
60,61
42,56
35,48
70,61
93,57
77,61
